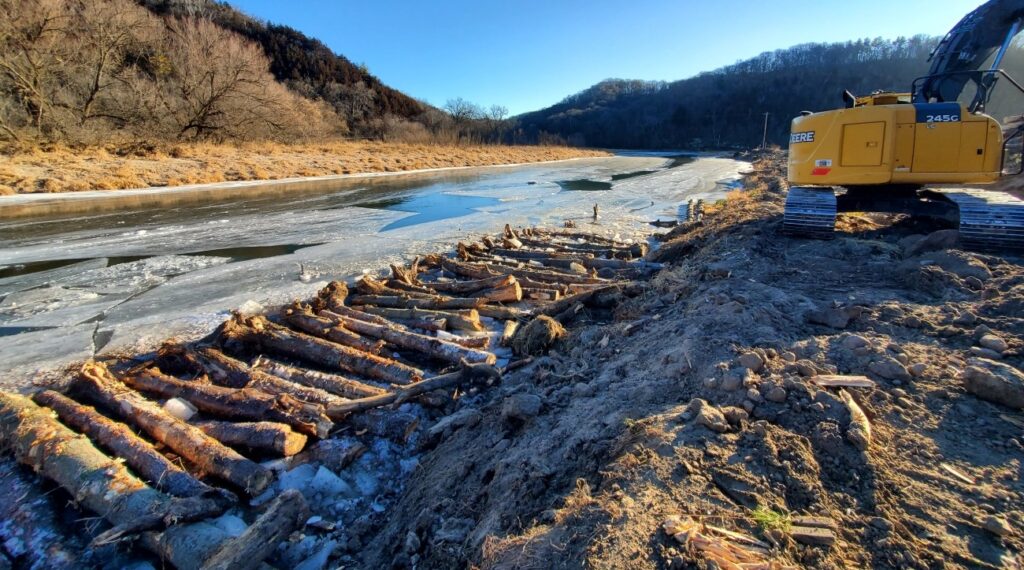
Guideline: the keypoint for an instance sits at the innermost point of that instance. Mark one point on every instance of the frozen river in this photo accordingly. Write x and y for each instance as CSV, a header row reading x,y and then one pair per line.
x,y
77,285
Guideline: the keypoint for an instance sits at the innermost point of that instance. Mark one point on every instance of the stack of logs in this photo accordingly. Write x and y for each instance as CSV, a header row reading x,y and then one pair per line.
x,y
268,385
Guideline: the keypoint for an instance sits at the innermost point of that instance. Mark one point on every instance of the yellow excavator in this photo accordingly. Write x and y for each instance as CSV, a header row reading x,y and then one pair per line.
x,y
886,152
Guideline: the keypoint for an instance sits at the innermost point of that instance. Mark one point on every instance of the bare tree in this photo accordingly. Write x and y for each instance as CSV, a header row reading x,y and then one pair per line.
x,y
30,59
463,113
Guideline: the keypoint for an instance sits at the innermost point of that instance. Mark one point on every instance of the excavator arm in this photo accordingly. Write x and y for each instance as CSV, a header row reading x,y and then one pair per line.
x,y
962,54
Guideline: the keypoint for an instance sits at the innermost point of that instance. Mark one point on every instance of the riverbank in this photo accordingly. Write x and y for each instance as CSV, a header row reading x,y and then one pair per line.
x,y
73,170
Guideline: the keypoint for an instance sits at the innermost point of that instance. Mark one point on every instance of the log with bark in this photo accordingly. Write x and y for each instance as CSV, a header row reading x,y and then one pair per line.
x,y
503,313
593,238
430,325
463,320
417,288
270,437
408,276
481,271
585,260
431,346
333,383
601,250
467,341
508,332
203,545
512,293
407,302
584,298
120,440
464,287
98,482
543,294
331,296
258,331
369,286
485,374
303,318
239,404
206,453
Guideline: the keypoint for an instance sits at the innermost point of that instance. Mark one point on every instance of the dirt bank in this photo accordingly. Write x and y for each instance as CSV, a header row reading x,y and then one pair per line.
x,y
703,398
68,170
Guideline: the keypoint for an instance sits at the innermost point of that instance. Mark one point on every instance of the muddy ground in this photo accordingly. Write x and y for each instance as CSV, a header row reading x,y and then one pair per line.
x,y
699,399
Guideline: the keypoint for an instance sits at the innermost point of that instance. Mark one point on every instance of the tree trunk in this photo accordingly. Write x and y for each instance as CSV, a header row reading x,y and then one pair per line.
x,y
332,383
508,294
275,438
99,483
470,373
585,260
120,440
415,302
303,318
434,347
465,320
261,332
206,453
503,313
461,287
422,324
203,545
417,288
242,403
483,271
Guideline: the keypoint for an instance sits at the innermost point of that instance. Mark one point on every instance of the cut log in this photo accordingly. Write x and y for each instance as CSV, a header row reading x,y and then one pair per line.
x,y
461,287
241,404
408,276
203,545
543,294
512,293
843,381
418,288
259,331
332,383
508,332
434,347
303,318
467,341
275,438
569,302
234,373
206,453
470,373
331,296
99,483
465,320
586,260
395,425
369,286
635,250
430,325
396,301
594,238
120,440
481,271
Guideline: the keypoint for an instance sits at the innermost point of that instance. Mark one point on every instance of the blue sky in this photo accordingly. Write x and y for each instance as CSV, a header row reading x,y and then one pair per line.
x,y
529,54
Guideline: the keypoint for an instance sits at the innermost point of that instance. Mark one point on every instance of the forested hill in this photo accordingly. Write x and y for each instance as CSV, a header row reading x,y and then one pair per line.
x,y
725,107
306,65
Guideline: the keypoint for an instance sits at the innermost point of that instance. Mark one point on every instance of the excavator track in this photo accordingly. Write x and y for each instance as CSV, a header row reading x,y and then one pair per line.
x,y
988,219
810,211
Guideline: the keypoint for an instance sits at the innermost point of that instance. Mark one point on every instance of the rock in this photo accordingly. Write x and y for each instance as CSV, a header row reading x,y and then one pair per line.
x,y
806,368
993,342
995,382
753,394
706,415
751,361
997,525
521,407
583,390
326,484
732,381
974,283
734,415
297,478
881,524
942,239
889,368
981,330
412,543
319,559
855,341
787,356
917,369
986,353
719,270
837,317
776,394
468,417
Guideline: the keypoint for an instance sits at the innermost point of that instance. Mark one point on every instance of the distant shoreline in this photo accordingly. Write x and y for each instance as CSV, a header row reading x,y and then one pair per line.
x,y
38,205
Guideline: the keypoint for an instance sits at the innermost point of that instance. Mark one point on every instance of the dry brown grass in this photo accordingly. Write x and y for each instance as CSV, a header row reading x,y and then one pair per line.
x,y
61,169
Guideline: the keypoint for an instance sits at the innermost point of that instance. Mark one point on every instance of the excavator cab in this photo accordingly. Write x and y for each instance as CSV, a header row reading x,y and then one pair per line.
x,y
886,151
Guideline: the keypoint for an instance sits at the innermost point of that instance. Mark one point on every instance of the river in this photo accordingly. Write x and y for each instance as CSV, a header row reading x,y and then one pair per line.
x,y
137,267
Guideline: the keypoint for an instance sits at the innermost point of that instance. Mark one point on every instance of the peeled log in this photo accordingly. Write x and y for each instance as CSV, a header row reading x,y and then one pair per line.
x,y
460,287
476,373
203,545
261,332
99,483
275,438
466,320
243,403
206,453
332,383
435,347
303,318
136,452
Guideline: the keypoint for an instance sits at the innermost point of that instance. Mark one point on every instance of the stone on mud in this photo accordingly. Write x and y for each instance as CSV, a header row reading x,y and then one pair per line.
x,y
994,381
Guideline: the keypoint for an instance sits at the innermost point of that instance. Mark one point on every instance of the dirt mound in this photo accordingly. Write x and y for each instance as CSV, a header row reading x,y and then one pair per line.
x,y
710,397
537,336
